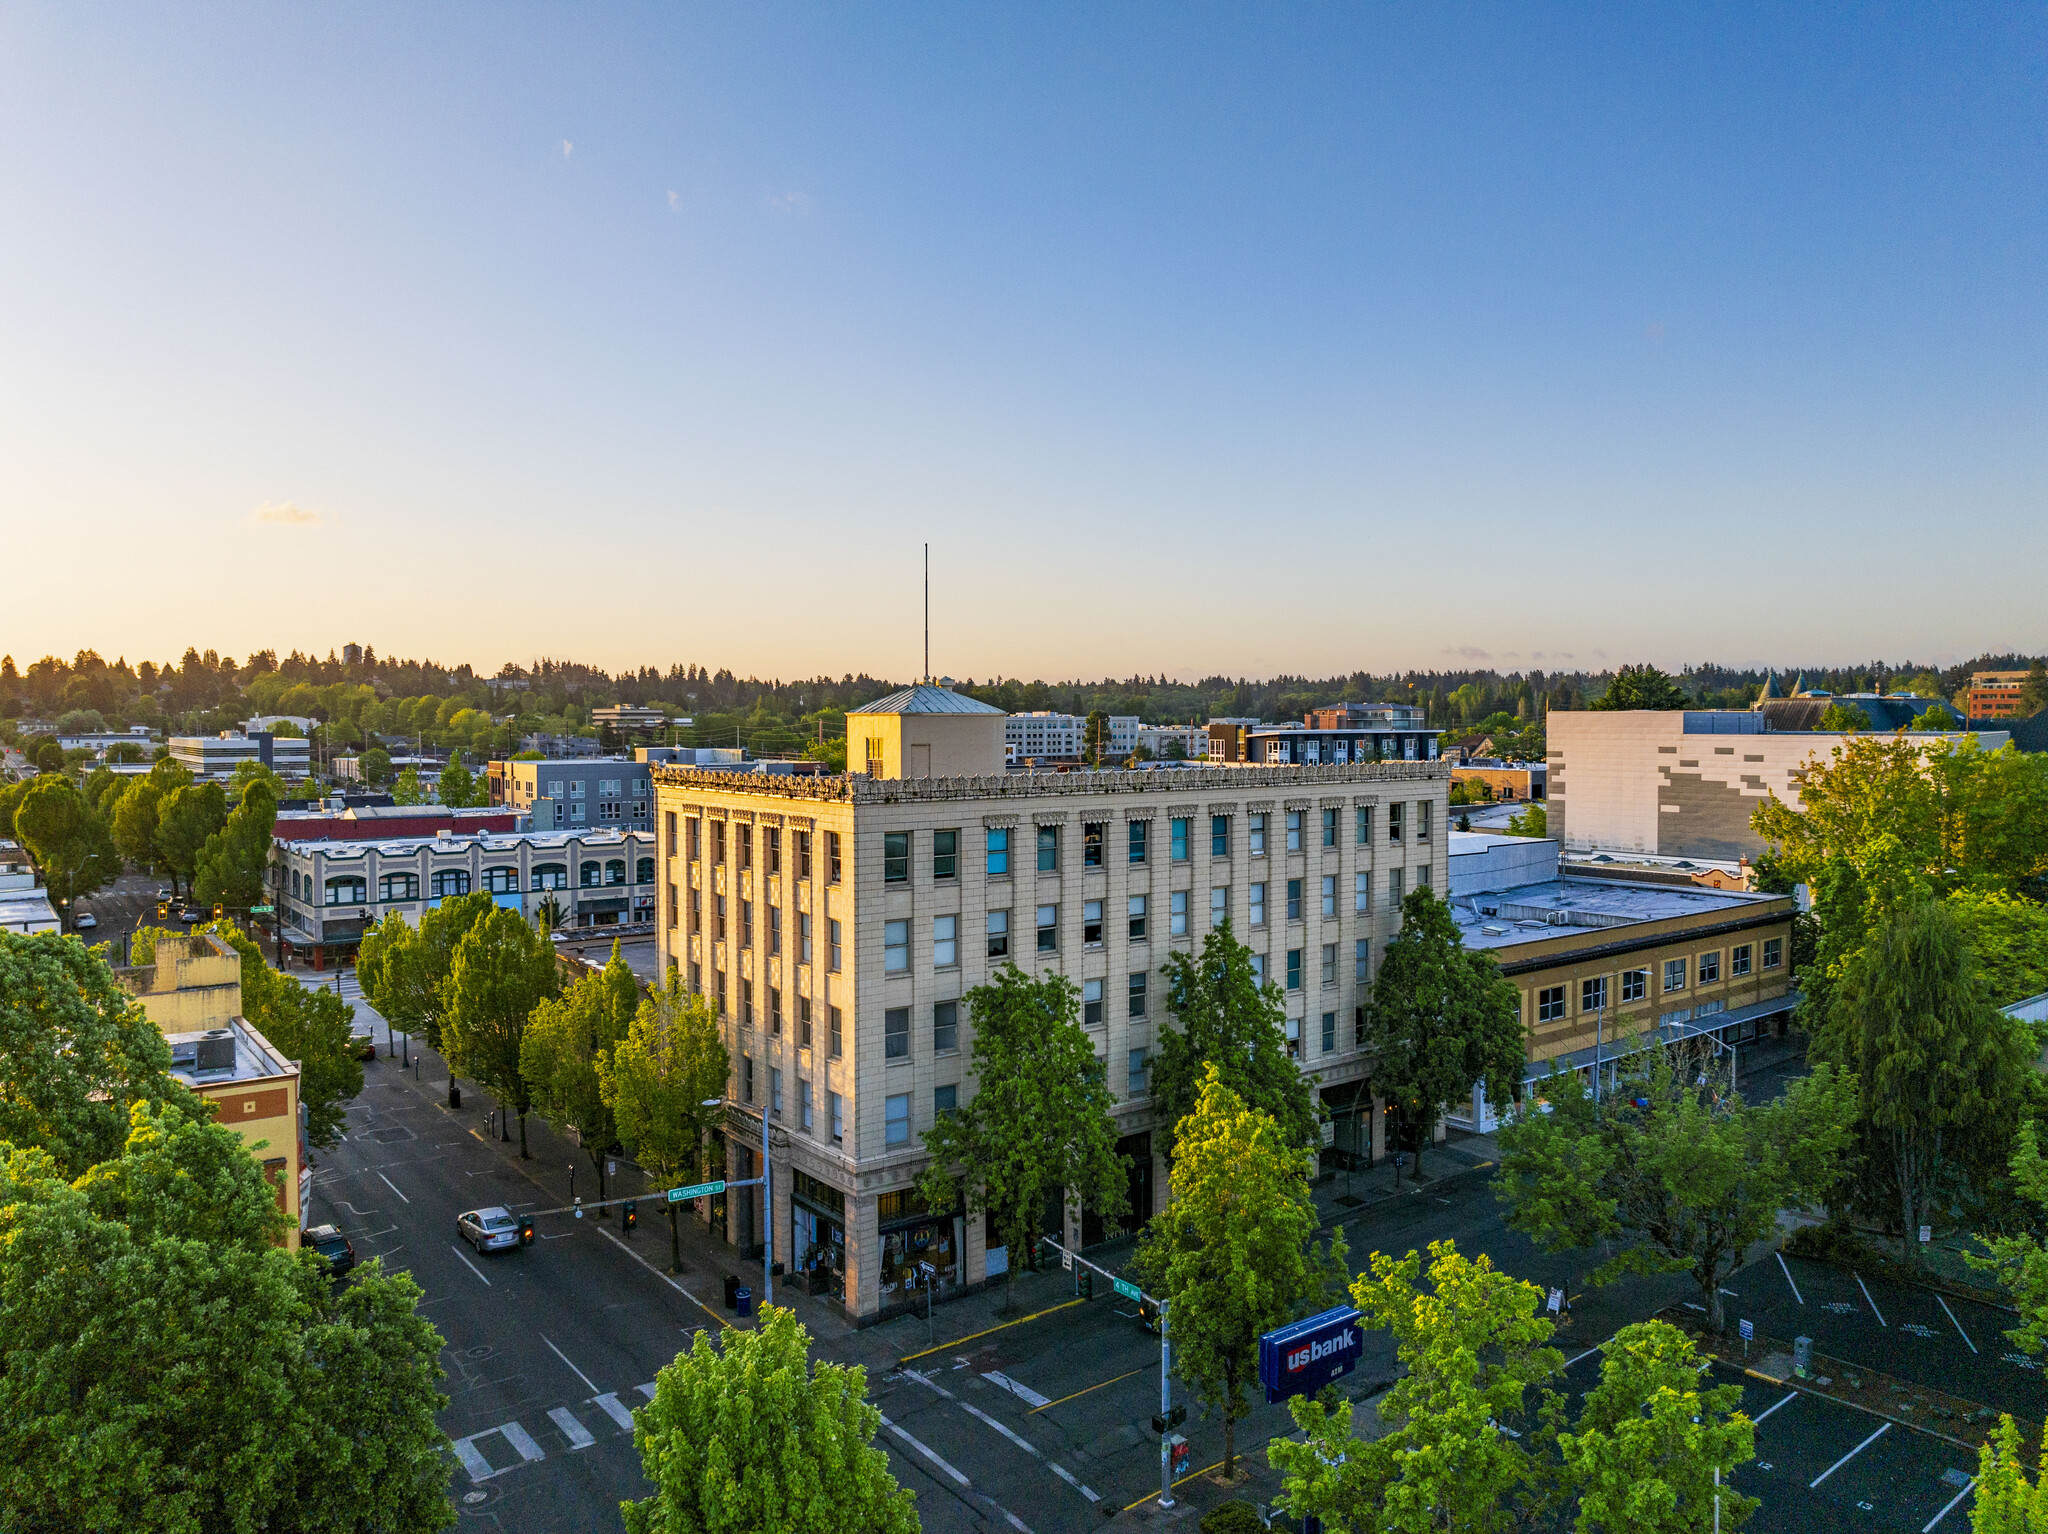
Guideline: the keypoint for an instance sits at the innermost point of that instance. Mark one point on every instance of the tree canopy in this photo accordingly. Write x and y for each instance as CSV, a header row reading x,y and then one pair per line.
x,y
404,969
67,839
656,1081
566,1039
1643,686
502,970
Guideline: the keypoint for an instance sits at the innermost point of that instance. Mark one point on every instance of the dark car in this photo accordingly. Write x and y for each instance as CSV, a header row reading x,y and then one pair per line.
x,y
333,1247
362,1044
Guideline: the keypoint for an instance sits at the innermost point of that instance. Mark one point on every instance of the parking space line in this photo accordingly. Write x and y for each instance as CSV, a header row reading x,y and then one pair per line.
x,y
1788,1277
989,1332
1774,1406
1947,1507
1838,1464
565,1359
1873,1303
1141,1369
925,1450
393,1187
579,1436
479,1272
1958,1325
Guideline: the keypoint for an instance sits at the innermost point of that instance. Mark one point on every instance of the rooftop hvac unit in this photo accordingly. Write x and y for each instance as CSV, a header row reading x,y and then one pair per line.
x,y
216,1051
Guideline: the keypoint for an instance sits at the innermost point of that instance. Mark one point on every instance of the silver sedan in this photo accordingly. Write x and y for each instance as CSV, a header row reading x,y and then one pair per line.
x,y
488,1230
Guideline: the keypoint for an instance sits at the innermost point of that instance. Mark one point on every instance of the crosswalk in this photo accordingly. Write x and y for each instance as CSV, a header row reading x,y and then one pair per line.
x,y
496,1450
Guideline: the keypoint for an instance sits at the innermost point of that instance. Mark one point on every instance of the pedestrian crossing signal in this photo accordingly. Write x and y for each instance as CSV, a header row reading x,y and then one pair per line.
x,y
526,1230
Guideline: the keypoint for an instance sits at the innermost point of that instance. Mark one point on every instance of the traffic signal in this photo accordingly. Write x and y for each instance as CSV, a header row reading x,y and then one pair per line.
x,y
219,910
163,910
526,1230
1084,1284
1148,1316
632,1213
1170,1421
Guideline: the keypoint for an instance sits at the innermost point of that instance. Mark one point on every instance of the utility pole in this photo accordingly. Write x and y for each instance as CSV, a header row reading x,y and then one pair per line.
x,y
927,612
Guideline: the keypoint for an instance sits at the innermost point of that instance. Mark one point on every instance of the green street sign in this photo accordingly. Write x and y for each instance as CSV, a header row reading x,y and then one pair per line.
x,y
261,910
1128,1290
680,1195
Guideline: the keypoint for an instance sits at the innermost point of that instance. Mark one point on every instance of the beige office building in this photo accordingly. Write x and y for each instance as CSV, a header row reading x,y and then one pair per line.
x,y
837,922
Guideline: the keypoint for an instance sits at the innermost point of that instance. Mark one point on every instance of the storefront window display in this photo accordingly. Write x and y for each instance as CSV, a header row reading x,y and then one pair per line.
x,y
911,1235
818,1221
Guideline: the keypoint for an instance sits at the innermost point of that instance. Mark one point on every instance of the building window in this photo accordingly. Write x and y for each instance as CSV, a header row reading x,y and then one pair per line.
x,y
1361,960
775,1091
398,887
896,1033
1219,836
1177,839
1177,914
1091,844
803,1105
1137,917
896,1119
834,950
837,1106
771,845
1294,969
775,1010
451,881
746,1078
1364,824
833,1031
1329,896
998,851
643,871
1774,952
896,947
1140,838
718,841
1294,1038
1258,836
693,836
1710,968
999,934
1329,1033
775,929
746,1002
674,905
1294,830
746,924
1394,820
589,875
1135,1083
1048,929
1550,1004
351,891
1635,984
1329,964
803,937
1738,960
1258,905
668,825
1137,993
718,918
945,1028
945,854
945,1100
1422,874
1329,828
803,854
1674,975
1091,923
1091,1003
1593,995
1219,906
1048,849
696,910
1422,809
945,942
895,857
1294,900
831,857
1258,969
1361,892
1394,888
608,810
550,876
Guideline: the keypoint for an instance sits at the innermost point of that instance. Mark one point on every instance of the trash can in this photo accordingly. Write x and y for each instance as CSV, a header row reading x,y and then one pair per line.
x,y
743,1301
732,1291
454,1095
1802,1355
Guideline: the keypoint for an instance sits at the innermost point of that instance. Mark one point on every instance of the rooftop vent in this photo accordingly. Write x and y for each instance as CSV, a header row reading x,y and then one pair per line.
x,y
215,1051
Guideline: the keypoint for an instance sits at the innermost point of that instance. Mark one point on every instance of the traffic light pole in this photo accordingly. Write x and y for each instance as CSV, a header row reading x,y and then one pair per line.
x,y
1165,1417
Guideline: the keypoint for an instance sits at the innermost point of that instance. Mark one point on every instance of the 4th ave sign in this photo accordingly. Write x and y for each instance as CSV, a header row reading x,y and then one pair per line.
x,y
1302,1358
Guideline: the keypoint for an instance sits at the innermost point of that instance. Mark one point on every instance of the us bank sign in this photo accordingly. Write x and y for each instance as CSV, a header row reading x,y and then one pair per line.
x,y
1302,1358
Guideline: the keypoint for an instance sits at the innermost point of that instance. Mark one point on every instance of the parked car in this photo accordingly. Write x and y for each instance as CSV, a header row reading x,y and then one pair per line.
x,y
166,894
362,1044
84,921
332,1246
488,1230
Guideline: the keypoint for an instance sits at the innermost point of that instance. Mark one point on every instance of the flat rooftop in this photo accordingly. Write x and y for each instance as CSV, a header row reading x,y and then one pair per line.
x,y
1537,913
461,841
252,1057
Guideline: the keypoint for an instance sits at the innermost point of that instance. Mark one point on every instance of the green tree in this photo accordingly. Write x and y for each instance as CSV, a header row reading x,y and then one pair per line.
x,y
1095,737
135,813
1229,1021
751,1437
1232,1254
2019,1259
2034,690
1441,1020
311,1025
548,915
1938,1071
502,970
1474,1348
375,766
1937,716
1650,1440
186,817
1846,717
2009,936
1641,687
293,1407
1671,1167
67,840
76,1052
408,789
232,864
656,1082
1039,1122
2006,1503
1532,821
404,970
249,772
565,1040
458,788
831,752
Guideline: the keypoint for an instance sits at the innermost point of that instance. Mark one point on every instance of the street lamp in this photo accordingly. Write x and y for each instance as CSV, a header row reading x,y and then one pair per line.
x,y
767,1181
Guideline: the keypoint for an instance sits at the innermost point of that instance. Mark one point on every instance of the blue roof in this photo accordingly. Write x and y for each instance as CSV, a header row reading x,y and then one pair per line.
x,y
924,698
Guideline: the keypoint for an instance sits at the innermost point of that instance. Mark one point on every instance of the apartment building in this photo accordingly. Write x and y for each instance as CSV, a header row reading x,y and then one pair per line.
x,y
1350,732
587,791
837,923
1046,737
1995,694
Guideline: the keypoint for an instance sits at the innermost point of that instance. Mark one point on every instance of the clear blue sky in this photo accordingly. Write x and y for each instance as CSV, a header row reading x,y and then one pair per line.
x,y
1193,338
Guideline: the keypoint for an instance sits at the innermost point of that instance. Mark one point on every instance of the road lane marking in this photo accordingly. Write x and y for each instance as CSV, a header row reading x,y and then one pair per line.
x,y
565,1359
1141,1369
1873,1303
1928,1527
1788,1277
990,1331
478,1467
1021,1392
1021,1442
929,1383
579,1436
393,1187
1068,1476
1838,1464
646,1390
610,1404
1769,1409
517,1437
1958,1325
925,1450
650,1267
479,1272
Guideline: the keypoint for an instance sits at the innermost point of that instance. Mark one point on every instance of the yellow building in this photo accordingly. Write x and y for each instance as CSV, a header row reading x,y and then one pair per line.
x,y
193,993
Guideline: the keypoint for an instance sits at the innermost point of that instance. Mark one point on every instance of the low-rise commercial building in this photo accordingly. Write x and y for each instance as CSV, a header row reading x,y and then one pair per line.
x,y
1507,782
1995,694
217,756
559,795
1051,737
1349,732
382,822
24,907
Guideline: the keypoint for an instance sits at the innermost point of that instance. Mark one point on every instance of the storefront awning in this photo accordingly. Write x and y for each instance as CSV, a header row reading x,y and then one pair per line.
x,y
1663,1034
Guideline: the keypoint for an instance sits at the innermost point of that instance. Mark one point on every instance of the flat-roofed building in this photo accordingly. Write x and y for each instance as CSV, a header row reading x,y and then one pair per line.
x,y
837,923
24,905
1349,732
217,756
1995,694
580,792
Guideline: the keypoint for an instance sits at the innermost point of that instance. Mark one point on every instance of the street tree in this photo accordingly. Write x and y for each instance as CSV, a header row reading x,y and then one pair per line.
x,y
1477,1356
457,788
656,1081
1650,1439
1039,1123
67,840
1670,1171
309,1024
1233,1254
748,1436
1230,1022
408,789
1095,737
375,766
232,865
1440,1020
1534,820
135,813
185,818
565,1040
168,1365
404,969
2006,1501
1639,687
502,970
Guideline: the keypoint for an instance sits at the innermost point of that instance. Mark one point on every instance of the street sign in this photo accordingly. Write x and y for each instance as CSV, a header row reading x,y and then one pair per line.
x,y
1926,1234
681,1195
1066,1260
261,910
1747,1329
1556,1302
1128,1291
1302,1358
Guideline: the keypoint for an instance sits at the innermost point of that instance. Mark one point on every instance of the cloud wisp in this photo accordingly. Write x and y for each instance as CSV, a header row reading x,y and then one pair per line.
x,y
284,514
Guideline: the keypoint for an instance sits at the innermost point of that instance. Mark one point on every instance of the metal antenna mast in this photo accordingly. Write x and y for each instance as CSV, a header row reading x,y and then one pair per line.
x,y
927,612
